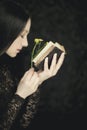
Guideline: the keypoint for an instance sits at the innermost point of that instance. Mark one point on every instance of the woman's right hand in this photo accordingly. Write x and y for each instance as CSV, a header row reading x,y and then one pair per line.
x,y
28,84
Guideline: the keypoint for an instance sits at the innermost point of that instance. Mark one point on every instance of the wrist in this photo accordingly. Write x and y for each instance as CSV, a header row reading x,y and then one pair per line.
x,y
21,95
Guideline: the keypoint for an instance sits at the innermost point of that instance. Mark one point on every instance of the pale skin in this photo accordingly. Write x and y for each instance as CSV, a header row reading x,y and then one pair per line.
x,y
31,79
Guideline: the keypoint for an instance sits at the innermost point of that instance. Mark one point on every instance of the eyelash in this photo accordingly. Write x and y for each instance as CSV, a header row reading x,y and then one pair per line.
x,y
22,36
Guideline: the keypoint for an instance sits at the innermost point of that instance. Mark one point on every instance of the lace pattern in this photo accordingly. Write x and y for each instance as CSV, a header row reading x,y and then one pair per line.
x,y
31,109
12,111
13,105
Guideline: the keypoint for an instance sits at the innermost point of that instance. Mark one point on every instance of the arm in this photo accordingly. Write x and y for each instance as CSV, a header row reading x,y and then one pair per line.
x,y
12,111
31,109
28,112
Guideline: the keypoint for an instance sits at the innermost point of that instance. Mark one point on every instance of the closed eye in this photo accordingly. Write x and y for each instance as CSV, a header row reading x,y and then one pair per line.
x,y
22,36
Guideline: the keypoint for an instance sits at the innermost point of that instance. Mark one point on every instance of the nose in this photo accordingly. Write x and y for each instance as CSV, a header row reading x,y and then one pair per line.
x,y
25,42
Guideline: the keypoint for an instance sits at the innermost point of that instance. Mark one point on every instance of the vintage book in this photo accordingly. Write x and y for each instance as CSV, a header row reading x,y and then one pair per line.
x,y
42,50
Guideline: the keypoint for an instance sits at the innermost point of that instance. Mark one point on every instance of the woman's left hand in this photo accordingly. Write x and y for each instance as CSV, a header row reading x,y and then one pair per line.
x,y
54,67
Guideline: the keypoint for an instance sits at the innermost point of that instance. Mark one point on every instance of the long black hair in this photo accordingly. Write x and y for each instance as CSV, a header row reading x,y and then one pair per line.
x,y
13,18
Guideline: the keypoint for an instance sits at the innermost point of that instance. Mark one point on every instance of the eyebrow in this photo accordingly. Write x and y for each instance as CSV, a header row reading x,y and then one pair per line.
x,y
25,31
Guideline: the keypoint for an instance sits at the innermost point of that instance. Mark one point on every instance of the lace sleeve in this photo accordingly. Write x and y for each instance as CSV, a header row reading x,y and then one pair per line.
x,y
30,110
12,111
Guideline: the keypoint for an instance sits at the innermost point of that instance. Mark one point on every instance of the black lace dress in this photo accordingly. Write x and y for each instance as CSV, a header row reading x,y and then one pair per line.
x,y
15,112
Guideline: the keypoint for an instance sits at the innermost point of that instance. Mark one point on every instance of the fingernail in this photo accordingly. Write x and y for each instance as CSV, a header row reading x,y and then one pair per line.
x,y
55,54
46,58
63,53
32,68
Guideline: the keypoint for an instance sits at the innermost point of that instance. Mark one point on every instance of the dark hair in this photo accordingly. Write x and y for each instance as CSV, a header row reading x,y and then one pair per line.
x,y
13,18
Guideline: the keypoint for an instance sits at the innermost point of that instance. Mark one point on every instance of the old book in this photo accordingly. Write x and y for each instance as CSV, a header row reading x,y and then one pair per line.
x,y
45,49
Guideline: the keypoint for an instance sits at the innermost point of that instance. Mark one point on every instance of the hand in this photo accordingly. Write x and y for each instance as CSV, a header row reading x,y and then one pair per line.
x,y
28,84
48,73
31,79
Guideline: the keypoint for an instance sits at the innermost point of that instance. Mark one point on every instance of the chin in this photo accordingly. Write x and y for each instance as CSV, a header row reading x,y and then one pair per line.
x,y
12,55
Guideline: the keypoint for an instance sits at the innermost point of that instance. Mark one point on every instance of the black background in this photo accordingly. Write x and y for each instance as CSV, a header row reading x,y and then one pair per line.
x,y
63,102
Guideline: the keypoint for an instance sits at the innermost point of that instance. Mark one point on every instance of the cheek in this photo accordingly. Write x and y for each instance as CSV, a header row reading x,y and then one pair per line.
x,y
14,45
18,43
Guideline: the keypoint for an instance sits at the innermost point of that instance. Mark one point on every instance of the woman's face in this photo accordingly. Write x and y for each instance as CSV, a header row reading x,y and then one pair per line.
x,y
20,42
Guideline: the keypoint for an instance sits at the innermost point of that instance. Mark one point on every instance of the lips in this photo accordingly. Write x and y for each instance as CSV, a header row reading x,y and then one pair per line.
x,y
18,50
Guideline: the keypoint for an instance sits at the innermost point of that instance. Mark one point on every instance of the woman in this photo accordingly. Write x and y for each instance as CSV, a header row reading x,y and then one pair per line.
x,y
19,96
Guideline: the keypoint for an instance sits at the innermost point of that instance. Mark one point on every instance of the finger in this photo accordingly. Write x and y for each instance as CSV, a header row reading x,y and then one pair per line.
x,y
46,64
29,73
60,61
53,63
39,71
34,77
36,87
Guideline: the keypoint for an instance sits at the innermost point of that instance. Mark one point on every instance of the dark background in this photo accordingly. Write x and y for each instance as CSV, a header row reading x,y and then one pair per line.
x,y
63,102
